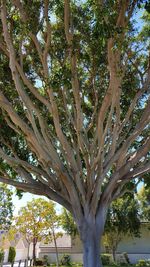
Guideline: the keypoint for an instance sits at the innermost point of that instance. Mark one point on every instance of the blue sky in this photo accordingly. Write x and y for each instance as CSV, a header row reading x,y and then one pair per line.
x,y
18,203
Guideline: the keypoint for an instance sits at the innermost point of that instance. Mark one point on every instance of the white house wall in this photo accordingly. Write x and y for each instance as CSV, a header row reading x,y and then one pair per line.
x,y
135,245
136,248
5,255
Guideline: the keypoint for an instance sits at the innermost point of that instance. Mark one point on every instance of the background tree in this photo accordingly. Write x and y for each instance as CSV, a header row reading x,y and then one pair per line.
x,y
144,199
6,207
74,105
51,224
68,224
11,255
28,223
122,219
38,221
1,257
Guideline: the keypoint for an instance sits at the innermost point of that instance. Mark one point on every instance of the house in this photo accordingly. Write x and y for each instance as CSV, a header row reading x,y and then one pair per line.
x,y
136,248
64,245
20,245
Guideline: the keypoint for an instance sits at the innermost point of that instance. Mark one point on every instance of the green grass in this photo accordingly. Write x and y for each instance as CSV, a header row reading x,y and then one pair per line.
x,y
53,265
82,265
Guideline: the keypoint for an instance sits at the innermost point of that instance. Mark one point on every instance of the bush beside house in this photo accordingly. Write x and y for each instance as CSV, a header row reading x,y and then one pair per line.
x,y
1,257
12,254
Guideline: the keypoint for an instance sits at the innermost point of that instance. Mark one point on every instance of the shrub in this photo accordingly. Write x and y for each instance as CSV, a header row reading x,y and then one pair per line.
x,y
106,259
46,260
65,260
77,264
1,255
123,264
12,254
114,264
143,263
126,257
39,262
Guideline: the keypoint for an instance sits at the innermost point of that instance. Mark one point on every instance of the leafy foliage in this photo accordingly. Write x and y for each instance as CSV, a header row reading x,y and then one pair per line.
x,y
38,221
66,260
67,223
6,207
11,254
106,259
142,263
144,199
123,216
122,219
1,256
74,102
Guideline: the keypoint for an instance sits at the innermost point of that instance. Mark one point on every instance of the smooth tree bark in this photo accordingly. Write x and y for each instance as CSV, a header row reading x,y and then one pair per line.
x,y
28,252
74,106
34,250
55,243
91,235
114,254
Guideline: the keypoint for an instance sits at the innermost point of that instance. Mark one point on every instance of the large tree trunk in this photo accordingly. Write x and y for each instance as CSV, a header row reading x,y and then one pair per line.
x,y
91,231
91,249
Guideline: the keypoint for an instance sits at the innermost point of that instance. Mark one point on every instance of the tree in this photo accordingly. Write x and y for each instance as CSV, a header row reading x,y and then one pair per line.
x,y
144,200
38,221
51,224
1,257
122,219
74,104
68,224
29,224
11,255
6,207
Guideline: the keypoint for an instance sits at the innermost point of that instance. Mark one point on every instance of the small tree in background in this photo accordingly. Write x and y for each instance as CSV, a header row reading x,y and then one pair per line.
x,y
1,257
122,219
38,221
29,224
144,200
6,206
51,222
11,255
17,231
68,224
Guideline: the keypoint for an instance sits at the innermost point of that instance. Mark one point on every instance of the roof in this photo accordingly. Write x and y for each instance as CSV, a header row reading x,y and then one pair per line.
x,y
15,242
62,241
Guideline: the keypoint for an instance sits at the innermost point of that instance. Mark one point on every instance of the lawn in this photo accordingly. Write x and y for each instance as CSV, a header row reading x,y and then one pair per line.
x,y
77,265
82,266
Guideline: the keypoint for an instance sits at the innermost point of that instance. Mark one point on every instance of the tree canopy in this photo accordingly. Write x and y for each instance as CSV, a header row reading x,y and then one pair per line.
x,y
74,103
63,124
37,221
